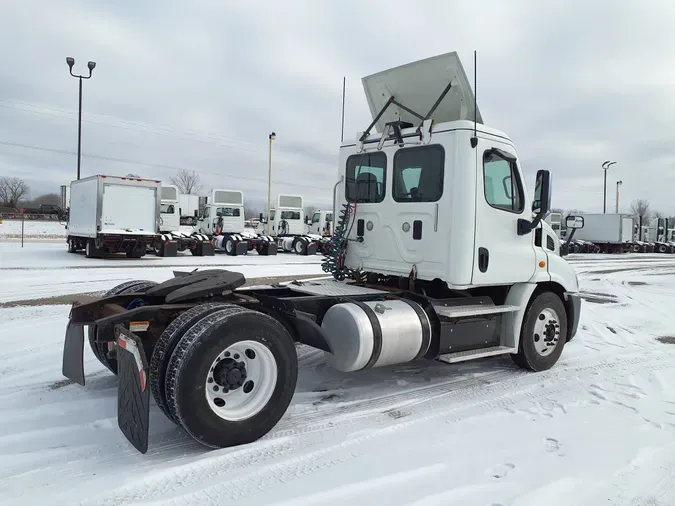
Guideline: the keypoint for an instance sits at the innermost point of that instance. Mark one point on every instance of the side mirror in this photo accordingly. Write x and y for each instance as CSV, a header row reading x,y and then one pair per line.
x,y
261,216
306,220
574,222
541,204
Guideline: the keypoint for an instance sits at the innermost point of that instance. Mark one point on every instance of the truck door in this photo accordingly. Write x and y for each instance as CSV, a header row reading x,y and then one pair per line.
x,y
501,256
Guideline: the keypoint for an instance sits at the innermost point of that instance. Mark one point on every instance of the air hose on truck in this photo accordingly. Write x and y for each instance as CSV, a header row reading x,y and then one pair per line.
x,y
333,261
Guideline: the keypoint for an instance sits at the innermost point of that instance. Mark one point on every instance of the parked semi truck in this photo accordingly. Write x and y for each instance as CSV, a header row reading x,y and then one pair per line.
x,y
321,223
170,240
440,252
223,221
188,208
110,214
287,226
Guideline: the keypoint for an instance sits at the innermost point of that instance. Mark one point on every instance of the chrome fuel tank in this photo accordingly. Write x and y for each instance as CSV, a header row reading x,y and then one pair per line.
x,y
362,335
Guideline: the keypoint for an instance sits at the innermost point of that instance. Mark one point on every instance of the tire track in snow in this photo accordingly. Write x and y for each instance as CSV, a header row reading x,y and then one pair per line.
x,y
473,400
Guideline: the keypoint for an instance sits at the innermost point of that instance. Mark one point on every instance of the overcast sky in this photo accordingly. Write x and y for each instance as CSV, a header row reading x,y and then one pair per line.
x,y
201,85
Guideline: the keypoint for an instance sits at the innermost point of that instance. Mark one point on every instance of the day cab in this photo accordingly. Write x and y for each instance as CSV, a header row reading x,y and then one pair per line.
x,y
441,199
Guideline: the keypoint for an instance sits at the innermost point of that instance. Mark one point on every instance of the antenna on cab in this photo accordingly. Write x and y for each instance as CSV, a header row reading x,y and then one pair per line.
x,y
474,139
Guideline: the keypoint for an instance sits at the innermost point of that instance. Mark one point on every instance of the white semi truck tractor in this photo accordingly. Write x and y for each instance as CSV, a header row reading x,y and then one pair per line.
x,y
287,226
439,252
223,221
170,240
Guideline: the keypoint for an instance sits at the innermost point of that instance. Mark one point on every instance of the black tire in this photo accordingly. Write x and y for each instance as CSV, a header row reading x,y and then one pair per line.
x,y
528,357
101,349
300,246
190,365
230,246
90,250
161,354
71,245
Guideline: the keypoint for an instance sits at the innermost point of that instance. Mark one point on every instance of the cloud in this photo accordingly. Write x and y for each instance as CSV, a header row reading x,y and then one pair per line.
x,y
202,85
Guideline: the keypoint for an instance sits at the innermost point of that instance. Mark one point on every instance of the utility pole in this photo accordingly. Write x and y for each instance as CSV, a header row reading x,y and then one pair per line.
x,y
272,136
618,183
605,166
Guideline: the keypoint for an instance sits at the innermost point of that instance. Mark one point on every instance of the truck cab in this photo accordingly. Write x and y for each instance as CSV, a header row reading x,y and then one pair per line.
x,y
169,210
288,216
321,223
223,213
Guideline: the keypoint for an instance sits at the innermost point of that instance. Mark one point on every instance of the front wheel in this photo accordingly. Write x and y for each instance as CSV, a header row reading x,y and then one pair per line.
x,y
231,377
543,333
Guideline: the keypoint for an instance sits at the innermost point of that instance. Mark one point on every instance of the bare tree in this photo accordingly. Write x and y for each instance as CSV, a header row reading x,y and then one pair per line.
x,y
251,212
12,190
641,209
658,214
187,181
310,210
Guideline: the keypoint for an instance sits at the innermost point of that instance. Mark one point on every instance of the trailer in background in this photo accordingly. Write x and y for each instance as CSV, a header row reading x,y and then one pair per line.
x,y
610,232
110,214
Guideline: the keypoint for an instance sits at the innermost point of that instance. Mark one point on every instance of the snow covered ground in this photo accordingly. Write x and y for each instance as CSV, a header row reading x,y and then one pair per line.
x,y
599,428
33,229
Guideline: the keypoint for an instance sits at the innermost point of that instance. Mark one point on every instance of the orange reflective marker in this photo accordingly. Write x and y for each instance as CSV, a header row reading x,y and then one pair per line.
x,y
542,264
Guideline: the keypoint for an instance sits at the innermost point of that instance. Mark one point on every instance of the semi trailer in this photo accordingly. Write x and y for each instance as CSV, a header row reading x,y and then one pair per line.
x,y
611,232
222,220
439,253
110,214
170,240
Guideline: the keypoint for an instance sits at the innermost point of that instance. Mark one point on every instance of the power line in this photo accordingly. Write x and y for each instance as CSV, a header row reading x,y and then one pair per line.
x,y
145,127
175,168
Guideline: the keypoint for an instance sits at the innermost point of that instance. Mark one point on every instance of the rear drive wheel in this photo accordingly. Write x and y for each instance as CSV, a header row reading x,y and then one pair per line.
x,y
101,349
165,345
300,246
543,333
231,377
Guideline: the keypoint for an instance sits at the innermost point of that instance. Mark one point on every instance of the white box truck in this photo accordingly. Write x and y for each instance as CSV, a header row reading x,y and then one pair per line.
x,y
611,232
110,214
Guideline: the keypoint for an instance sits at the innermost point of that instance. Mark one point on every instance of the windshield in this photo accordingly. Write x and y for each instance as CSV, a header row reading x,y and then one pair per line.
x,y
228,211
166,209
329,217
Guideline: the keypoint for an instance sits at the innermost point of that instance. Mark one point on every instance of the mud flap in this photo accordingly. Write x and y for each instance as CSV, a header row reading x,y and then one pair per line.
x,y
241,248
73,354
204,249
311,249
133,391
170,249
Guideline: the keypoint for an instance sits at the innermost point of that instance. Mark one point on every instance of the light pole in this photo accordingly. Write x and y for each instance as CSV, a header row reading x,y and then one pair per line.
x,y
605,166
269,184
618,183
91,65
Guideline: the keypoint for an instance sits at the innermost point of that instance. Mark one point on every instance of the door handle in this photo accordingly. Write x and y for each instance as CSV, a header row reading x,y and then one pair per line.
x,y
483,259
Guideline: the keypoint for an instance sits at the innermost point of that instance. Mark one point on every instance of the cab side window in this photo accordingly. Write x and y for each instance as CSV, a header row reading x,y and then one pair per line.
x,y
316,217
502,186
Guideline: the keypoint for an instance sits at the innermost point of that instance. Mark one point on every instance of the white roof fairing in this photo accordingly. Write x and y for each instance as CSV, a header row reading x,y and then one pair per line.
x,y
417,86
